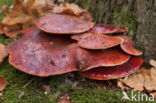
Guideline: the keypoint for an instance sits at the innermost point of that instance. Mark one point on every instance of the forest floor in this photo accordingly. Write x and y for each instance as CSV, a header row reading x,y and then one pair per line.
x,y
79,89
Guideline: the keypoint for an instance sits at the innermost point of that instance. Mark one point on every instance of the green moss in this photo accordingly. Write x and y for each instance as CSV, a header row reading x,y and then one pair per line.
x,y
102,96
125,17
4,2
5,40
96,96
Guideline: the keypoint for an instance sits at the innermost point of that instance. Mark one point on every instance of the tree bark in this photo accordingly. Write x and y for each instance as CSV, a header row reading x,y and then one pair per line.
x,y
138,15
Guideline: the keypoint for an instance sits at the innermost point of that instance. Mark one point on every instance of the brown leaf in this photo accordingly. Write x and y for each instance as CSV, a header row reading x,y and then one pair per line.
x,y
154,94
26,12
145,78
17,14
10,30
46,89
86,16
153,63
64,99
68,8
3,83
3,52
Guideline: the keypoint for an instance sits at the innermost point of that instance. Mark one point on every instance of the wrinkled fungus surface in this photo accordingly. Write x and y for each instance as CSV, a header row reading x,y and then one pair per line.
x,y
96,41
104,73
63,24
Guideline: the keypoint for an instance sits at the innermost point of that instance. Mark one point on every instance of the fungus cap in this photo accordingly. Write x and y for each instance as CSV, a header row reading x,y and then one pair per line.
x,y
127,46
108,29
41,54
96,41
88,59
63,24
104,73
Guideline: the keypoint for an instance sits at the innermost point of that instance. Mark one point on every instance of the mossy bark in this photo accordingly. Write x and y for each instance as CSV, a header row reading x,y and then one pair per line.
x,y
138,15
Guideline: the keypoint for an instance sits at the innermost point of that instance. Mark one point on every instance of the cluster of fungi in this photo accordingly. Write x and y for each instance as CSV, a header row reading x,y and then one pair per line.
x,y
64,42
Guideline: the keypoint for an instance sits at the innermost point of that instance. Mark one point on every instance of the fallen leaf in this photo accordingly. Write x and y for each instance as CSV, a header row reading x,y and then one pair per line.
x,y
86,16
64,99
153,63
3,52
146,78
26,12
17,14
21,95
154,94
3,83
46,89
10,31
68,8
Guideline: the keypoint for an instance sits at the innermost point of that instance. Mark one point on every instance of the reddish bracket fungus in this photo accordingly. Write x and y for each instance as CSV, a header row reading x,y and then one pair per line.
x,y
103,73
96,41
127,46
99,41
39,54
88,59
42,52
108,29
63,24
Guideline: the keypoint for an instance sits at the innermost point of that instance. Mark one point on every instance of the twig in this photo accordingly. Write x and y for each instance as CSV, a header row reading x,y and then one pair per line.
x,y
28,82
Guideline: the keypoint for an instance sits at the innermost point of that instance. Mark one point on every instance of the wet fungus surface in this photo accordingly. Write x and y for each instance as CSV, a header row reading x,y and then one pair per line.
x,y
108,29
88,59
128,47
104,73
96,41
39,54
63,24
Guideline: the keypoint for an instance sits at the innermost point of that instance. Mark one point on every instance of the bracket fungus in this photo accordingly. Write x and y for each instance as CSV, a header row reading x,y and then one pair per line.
x,y
41,54
96,41
42,51
103,73
127,46
63,24
108,29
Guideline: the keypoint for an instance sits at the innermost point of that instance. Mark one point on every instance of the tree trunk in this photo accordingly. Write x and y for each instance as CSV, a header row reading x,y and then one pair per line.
x,y
138,15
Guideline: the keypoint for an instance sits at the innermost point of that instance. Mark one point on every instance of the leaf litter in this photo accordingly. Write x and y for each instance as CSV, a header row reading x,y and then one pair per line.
x,y
146,80
3,52
3,83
